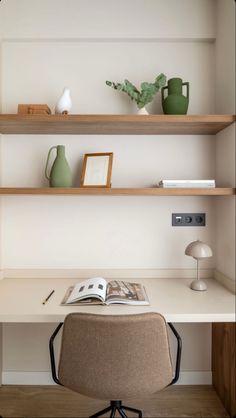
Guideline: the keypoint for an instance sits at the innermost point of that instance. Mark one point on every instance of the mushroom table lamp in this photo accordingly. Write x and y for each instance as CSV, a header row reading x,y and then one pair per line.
x,y
198,250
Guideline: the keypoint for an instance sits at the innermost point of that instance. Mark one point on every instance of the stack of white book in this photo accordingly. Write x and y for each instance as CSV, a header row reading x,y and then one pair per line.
x,y
187,183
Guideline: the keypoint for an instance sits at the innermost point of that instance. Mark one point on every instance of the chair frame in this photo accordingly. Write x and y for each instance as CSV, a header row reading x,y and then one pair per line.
x,y
116,405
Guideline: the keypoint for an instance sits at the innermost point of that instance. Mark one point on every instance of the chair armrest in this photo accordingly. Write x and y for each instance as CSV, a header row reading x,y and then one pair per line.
x,y
178,354
52,355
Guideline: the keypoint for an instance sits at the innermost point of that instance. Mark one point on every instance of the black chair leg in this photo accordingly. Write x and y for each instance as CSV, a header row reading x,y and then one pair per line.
x,y
117,406
98,414
113,412
122,413
137,411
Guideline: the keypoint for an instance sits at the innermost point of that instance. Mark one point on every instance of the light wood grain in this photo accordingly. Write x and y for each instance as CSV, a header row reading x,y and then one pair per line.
x,y
54,401
224,363
152,191
33,109
115,124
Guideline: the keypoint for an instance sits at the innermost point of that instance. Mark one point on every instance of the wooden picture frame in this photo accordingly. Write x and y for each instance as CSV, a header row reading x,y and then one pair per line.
x,y
97,169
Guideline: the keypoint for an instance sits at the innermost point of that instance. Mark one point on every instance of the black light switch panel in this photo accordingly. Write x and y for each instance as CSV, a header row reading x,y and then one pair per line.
x,y
188,219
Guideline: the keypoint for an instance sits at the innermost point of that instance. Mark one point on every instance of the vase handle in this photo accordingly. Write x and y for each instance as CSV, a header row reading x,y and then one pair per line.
x,y
187,86
162,93
46,168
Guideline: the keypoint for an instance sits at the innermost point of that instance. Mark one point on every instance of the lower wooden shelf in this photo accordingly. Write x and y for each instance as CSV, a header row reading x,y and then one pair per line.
x,y
152,191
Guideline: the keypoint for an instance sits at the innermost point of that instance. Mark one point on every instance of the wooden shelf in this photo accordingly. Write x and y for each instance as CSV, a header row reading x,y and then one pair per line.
x,y
115,124
154,191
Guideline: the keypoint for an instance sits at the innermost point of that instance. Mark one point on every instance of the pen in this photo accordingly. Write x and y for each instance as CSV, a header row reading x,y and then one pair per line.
x,y
48,297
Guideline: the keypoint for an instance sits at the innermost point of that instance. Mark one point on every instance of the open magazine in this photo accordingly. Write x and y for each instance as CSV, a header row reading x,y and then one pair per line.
x,y
98,291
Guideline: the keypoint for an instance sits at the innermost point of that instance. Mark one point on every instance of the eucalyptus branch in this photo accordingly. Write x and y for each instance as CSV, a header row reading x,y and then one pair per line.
x,y
143,96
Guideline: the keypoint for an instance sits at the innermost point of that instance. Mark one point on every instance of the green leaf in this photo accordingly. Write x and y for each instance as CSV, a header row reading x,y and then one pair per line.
x,y
147,93
160,81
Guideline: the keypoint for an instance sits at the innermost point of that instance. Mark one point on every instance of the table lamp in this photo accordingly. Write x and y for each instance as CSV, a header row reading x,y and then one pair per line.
x,y
198,250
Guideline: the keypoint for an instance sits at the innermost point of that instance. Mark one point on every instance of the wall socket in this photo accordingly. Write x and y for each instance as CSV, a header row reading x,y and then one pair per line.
x,y
188,219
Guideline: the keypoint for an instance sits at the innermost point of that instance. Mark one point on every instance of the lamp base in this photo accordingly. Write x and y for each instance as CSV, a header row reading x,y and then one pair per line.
x,y
198,285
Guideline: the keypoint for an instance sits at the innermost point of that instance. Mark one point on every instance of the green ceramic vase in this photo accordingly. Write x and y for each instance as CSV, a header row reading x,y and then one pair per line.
x,y
175,103
60,174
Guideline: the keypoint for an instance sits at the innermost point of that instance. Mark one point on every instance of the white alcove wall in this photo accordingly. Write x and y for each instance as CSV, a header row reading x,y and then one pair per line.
x,y
83,45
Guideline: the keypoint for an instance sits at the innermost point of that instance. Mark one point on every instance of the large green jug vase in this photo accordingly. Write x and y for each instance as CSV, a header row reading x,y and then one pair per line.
x,y
175,103
60,174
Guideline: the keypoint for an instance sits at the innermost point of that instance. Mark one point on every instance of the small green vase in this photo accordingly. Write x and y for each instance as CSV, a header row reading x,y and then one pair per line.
x,y
60,174
175,103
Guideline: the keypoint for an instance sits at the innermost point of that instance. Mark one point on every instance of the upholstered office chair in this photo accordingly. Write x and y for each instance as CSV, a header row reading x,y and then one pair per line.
x,y
115,357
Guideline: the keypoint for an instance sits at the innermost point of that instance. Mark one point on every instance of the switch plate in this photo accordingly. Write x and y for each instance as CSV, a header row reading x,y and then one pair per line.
x,y
188,219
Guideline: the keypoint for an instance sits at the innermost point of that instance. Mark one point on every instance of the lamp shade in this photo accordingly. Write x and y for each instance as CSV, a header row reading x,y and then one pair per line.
x,y
198,249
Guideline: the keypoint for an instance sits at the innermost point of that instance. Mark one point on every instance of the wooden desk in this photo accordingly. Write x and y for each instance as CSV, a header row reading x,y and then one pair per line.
x,y
21,301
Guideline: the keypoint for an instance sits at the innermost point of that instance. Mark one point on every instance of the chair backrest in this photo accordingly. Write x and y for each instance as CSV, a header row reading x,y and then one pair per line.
x,y
115,356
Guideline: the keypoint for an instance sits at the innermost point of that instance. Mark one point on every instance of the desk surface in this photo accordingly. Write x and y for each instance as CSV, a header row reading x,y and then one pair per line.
x,y
21,301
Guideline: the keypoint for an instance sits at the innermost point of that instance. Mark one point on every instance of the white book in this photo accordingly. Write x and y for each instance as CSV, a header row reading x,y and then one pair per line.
x,y
187,183
98,291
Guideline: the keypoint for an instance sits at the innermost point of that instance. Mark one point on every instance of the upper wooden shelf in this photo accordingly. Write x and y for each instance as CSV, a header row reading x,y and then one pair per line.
x,y
115,124
90,191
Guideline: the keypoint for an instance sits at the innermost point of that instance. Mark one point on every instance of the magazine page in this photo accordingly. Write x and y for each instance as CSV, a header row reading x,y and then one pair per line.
x,y
86,301
91,288
128,293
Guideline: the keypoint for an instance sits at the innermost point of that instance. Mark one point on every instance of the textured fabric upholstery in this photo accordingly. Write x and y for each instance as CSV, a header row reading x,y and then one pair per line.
x,y
115,357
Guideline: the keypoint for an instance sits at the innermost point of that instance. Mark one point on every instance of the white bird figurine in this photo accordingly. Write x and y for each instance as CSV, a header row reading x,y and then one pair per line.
x,y
64,104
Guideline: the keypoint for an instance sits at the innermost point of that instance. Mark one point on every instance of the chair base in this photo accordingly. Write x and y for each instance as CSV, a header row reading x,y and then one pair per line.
x,y
117,406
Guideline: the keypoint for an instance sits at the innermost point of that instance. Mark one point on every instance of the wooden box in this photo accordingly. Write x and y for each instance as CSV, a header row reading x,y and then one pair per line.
x,y
33,109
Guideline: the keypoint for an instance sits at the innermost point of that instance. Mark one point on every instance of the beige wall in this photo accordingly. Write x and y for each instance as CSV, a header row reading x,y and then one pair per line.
x,y
81,45
225,56
1,159
225,140
69,19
